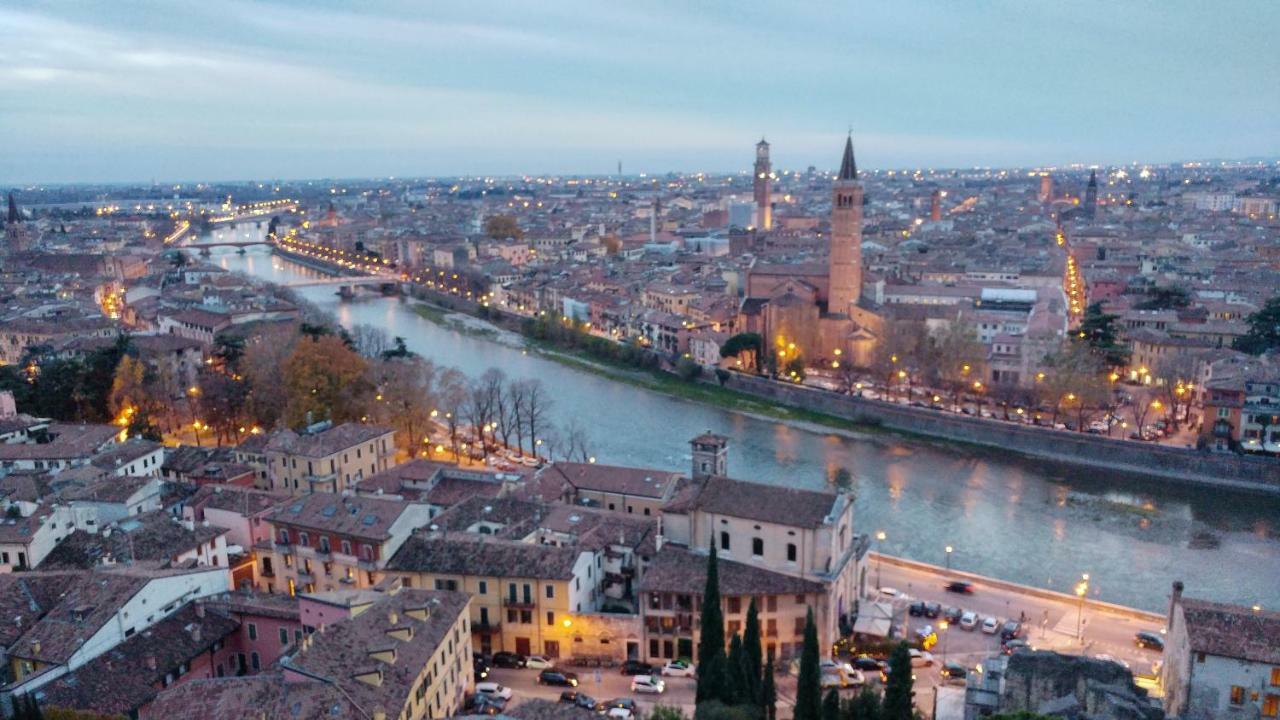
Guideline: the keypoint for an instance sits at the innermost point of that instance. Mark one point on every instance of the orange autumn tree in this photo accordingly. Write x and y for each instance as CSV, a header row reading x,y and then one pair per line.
x,y
324,377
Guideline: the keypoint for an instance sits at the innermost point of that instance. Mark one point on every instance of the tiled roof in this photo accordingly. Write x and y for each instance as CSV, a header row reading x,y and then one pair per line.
x,y
676,569
108,490
26,597
324,443
249,698
483,556
124,678
125,453
70,442
152,536
235,498
344,649
354,516
519,517
640,482
1233,631
757,501
89,600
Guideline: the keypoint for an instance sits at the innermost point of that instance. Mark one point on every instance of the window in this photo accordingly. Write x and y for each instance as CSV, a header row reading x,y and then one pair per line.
x,y
551,591
799,626
284,636
255,661
771,603
253,631
1271,706
484,588
551,618
724,540
324,544
735,605
799,599
757,547
304,540
791,552
771,628
284,536
1237,695
346,547
1275,677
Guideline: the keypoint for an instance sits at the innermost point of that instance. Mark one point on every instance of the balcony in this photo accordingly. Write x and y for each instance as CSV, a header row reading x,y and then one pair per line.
x,y
522,604
486,627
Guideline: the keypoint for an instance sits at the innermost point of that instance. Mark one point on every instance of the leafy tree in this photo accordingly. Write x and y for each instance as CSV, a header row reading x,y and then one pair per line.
x,y
501,227
744,346
809,685
831,705
738,689
711,659
228,348
1099,332
722,376
795,368
688,370
752,655
842,479
1264,330
1165,298
398,350
898,693
769,692
324,379
666,712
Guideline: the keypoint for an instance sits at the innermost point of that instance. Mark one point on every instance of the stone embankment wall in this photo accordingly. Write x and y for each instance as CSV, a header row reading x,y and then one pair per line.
x,y
1078,449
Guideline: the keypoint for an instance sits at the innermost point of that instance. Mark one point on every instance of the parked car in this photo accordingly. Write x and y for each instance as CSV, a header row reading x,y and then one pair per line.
x,y
482,705
538,662
493,690
952,614
990,625
620,713
558,677
932,610
916,609
651,684
1011,630
635,667
480,666
954,671
624,703
582,700
924,631
968,620
959,586
508,660
830,680
1149,640
920,658
679,668
867,663
889,592
1015,645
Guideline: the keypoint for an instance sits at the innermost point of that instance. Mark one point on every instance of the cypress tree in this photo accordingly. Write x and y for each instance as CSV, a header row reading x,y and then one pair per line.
x,y
866,706
898,691
809,686
36,713
769,692
831,705
738,689
711,660
753,654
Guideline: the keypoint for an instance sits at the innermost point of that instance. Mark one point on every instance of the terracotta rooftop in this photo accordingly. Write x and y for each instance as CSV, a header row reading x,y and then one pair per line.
x,y
677,569
151,536
324,443
756,501
483,556
639,482
123,679
1233,631
261,697
354,516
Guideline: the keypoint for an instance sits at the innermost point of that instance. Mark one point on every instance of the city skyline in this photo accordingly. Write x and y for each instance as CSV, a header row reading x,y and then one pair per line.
x,y
248,91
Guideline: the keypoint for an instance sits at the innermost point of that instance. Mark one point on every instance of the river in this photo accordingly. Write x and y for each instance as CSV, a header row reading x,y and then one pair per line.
x,y
1003,516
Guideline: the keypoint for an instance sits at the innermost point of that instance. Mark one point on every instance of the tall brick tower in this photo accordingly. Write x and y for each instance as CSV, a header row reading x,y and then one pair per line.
x,y
845,263
1091,195
764,209
16,234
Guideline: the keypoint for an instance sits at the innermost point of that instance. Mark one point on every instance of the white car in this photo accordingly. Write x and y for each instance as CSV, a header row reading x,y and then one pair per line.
x,y
920,658
990,625
679,668
493,690
620,712
889,592
831,680
538,662
924,631
968,620
647,684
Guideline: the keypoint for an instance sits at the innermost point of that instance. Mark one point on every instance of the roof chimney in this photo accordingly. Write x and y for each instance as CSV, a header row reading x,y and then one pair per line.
x,y
195,633
1174,600
393,618
151,662
199,609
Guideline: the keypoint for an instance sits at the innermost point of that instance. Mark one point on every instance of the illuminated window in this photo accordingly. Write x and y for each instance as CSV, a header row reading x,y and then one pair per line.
x,y
1237,695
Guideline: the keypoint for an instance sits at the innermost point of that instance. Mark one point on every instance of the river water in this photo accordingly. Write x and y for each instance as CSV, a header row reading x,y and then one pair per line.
x,y
1003,516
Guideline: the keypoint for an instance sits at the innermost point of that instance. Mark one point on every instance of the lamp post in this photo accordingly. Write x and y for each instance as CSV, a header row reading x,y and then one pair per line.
x,y
880,536
1082,589
949,549
195,426
942,628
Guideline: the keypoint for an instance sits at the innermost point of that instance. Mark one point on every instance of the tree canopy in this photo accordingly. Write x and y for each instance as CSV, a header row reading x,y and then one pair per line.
x,y
1264,330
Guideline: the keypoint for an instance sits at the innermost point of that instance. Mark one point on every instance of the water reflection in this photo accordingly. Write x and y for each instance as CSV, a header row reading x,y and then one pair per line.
x,y
1021,520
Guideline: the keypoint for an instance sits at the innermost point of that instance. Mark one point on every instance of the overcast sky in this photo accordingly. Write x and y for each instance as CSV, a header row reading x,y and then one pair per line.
x,y
169,90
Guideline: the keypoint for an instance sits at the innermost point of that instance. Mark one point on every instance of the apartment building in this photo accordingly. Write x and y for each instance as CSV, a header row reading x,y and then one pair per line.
x,y
327,459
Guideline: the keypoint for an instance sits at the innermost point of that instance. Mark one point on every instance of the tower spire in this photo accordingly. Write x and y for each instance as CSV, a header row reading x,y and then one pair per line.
x,y
848,166
14,215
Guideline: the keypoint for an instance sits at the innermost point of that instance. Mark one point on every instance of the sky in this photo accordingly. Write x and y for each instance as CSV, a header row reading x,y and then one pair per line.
x,y
169,90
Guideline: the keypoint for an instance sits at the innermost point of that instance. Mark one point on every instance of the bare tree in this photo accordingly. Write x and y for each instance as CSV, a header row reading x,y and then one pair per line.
x,y
369,340
451,390
536,408
515,403
481,410
406,394
574,443
1177,373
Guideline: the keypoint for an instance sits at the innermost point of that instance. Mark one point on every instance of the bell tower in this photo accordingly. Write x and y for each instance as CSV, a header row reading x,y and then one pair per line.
x,y
761,183
710,455
844,265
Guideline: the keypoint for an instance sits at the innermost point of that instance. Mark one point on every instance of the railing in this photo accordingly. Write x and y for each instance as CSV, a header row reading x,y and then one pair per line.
x,y
526,603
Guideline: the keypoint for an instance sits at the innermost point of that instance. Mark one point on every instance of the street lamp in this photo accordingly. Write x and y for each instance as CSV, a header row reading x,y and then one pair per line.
x,y
942,628
949,549
880,536
1082,589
